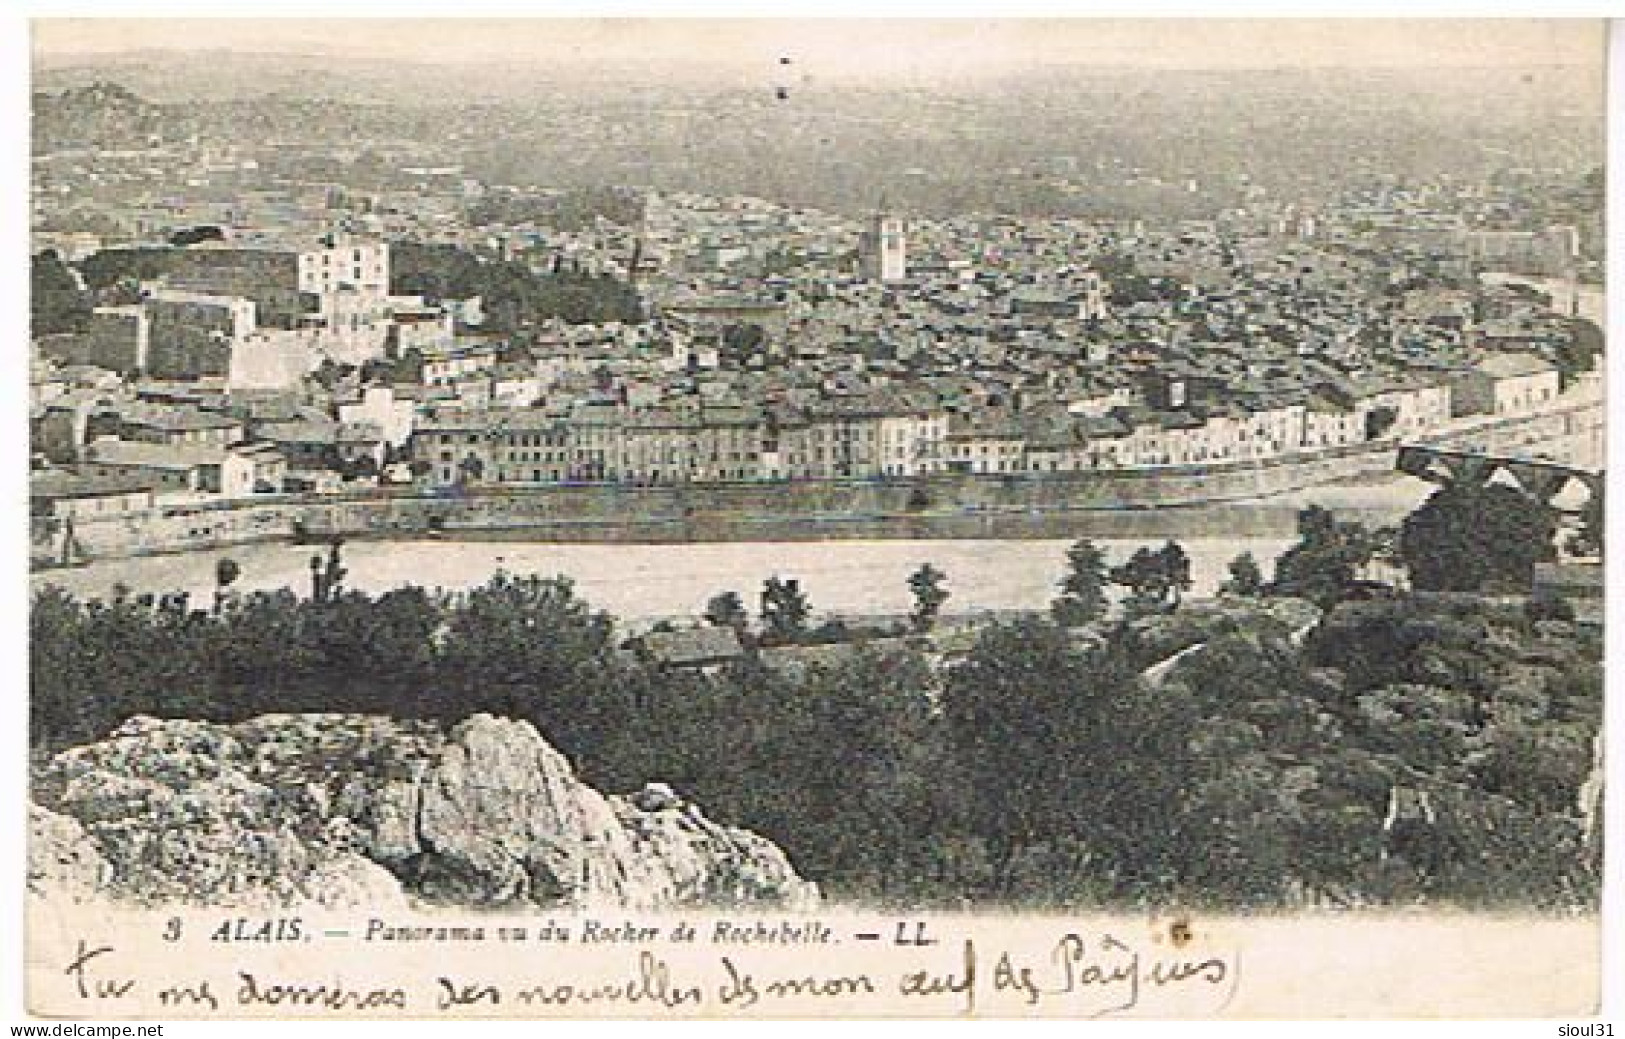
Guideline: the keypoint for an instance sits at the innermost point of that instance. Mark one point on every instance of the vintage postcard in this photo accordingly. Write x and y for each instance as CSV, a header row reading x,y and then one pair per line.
x,y
823,518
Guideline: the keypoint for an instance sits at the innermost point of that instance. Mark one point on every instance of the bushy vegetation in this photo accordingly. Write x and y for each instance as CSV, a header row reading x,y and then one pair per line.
x,y
1477,538
574,210
512,295
56,302
1041,767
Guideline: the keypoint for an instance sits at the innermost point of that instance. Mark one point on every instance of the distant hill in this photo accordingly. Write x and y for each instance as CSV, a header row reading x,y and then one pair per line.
x,y
98,115
190,77
1127,141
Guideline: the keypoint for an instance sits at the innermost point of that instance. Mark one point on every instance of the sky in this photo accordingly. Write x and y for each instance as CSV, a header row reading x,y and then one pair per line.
x,y
857,47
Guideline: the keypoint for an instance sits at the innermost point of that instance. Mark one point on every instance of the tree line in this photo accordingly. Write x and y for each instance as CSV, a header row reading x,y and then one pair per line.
x,y
513,296
1038,767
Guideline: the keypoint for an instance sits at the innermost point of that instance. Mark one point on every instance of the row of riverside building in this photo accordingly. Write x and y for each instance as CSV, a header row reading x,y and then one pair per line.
x,y
907,431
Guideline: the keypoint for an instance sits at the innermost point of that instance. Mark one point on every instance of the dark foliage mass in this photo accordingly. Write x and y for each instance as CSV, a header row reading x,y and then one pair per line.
x,y
1477,538
513,296
193,235
116,268
575,210
56,302
1328,558
1043,766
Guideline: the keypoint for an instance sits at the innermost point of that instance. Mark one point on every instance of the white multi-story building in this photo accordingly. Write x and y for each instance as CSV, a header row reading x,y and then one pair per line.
x,y
913,442
347,264
883,250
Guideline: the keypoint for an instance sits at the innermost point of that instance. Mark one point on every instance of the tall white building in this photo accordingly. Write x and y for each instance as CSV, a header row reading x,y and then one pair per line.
x,y
353,264
349,276
883,250
1092,307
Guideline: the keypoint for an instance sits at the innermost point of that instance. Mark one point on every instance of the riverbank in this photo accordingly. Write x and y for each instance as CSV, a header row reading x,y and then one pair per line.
x,y
1015,506
1246,499
647,581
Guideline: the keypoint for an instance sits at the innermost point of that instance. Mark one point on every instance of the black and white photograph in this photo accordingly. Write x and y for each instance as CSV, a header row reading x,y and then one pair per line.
x,y
603,472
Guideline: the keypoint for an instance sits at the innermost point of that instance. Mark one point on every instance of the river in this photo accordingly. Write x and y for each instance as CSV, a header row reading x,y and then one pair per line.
x,y
645,582
640,583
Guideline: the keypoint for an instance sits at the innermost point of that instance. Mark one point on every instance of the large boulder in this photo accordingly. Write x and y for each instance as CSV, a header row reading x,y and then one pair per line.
x,y
346,810
63,862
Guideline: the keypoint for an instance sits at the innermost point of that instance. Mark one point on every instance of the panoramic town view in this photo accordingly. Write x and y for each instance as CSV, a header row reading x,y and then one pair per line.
x,y
688,465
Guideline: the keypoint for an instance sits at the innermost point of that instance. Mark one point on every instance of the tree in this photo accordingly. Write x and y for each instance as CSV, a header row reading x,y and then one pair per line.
x,y
1148,579
193,235
727,610
742,340
226,572
1316,524
514,297
1588,540
862,762
56,303
785,609
1579,350
1426,727
929,595
327,580
330,373
1176,566
1062,747
1242,819
1326,560
1246,579
111,268
1477,538
528,647
1083,595
1540,766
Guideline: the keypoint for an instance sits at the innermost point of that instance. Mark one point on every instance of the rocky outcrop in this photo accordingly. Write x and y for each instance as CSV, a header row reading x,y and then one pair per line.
x,y
63,862
346,810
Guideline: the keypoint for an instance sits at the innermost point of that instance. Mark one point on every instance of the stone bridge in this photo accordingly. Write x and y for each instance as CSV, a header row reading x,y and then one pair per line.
x,y
1546,479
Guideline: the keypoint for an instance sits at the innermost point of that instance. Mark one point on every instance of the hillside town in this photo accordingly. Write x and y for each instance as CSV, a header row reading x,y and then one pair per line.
x,y
219,325
1034,476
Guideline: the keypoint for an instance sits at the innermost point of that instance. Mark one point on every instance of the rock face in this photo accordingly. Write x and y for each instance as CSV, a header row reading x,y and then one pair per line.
x,y
63,862
345,810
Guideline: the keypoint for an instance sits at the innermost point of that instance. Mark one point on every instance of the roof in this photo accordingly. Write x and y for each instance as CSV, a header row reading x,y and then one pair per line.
x,y
693,647
257,452
178,420
155,456
486,420
434,353
300,432
57,485
1045,297
1092,426
1513,365
721,302
987,424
